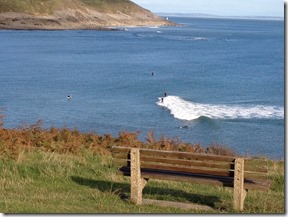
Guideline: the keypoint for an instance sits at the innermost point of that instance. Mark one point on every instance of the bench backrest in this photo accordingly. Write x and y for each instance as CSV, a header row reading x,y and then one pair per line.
x,y
186,162
173,161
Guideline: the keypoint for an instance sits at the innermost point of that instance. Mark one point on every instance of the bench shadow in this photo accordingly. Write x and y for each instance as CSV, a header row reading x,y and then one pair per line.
x,y
123,190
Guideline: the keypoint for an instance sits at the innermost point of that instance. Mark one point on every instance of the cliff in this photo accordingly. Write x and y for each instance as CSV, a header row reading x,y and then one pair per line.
x,y
75,14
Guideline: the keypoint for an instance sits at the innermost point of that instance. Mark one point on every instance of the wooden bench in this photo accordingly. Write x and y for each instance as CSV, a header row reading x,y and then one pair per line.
x,y
145,164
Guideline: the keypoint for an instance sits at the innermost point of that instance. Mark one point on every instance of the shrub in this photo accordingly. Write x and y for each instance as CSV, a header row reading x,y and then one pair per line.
x,y
64,140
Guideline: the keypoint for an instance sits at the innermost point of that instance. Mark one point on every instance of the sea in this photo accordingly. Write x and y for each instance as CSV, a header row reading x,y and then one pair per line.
x,y
223,80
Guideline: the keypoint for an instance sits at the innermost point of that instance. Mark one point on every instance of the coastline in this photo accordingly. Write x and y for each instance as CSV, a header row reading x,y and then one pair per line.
x,y
73,21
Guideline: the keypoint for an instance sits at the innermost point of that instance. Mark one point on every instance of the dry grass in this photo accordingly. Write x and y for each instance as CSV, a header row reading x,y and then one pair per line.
x,y
14,141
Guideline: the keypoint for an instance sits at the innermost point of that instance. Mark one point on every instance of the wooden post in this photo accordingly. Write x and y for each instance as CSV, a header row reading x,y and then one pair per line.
x,y
137,183
239,191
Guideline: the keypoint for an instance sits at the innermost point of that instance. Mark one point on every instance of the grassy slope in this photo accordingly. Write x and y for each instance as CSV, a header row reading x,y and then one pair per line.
x,y
47,182
65,171
28,6
49,6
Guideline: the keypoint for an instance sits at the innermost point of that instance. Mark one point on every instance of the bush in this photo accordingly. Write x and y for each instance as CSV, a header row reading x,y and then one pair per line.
x,y
64,140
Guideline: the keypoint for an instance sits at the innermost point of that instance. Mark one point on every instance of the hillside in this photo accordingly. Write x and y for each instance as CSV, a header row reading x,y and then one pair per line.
x,y
74,14
65,171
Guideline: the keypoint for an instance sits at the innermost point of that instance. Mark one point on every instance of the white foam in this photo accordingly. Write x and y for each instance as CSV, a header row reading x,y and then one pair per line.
x,y
199,38
187,110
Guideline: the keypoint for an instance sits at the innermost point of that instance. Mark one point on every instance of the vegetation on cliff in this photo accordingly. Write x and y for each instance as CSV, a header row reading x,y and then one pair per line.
x,y
71,141
74,14
48,7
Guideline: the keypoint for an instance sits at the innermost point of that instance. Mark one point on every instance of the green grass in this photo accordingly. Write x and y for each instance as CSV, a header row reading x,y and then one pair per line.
x,y
47,182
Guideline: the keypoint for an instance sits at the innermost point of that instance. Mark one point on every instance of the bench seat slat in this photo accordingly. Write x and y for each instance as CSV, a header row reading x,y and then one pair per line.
x,y
212,171
185,155
260,185
171,154
208,164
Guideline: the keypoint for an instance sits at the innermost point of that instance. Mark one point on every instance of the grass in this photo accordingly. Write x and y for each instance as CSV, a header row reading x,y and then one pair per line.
x,y
50,6
27,6
48,182
65,171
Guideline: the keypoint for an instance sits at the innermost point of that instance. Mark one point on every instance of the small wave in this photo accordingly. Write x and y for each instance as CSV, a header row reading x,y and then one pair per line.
x,y
199,38
185,38
187,110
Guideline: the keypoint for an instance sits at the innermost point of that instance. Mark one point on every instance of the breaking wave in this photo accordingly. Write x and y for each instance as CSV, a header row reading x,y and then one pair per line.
x,y
187,110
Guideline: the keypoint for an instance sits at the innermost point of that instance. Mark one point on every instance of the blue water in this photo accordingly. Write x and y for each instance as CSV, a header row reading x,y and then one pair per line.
x,y
224,80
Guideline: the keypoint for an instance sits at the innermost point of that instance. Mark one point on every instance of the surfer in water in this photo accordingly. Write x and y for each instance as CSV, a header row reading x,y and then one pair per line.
x,y
165,94
162,99
185,126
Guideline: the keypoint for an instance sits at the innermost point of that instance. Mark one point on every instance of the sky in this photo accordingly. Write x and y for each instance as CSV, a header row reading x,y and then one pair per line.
x,y
273,8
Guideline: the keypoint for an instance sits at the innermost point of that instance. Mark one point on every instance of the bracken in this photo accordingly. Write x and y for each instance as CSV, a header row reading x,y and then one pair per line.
x,y
64,140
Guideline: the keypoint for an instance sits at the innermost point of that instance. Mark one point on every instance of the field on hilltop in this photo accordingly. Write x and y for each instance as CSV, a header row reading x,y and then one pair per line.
x,y
37,7
74,14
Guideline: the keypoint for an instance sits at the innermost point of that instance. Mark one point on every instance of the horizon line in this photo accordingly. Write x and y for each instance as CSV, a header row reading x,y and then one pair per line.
x,y
204,15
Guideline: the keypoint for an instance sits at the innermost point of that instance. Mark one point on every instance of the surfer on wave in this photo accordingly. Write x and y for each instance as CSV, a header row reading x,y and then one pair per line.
x,y
162,98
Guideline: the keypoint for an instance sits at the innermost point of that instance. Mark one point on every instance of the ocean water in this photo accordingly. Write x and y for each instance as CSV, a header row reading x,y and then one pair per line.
x,y
224,81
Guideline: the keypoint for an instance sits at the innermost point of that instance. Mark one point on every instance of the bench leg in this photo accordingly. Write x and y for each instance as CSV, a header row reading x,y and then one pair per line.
x,y
239,191
137,183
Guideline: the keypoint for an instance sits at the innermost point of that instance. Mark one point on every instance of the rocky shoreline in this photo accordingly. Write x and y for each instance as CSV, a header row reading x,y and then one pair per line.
x,y
77,19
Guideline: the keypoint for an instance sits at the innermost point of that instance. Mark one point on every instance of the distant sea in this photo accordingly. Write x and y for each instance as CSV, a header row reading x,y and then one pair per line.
x,y
224,80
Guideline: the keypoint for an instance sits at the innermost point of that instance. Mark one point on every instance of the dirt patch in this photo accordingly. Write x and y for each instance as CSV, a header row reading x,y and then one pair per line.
x,y
184,206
